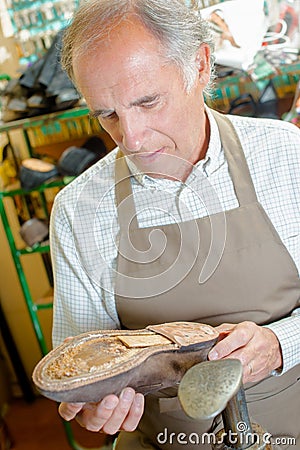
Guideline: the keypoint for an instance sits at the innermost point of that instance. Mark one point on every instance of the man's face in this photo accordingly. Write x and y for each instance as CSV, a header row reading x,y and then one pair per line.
x,y
140,100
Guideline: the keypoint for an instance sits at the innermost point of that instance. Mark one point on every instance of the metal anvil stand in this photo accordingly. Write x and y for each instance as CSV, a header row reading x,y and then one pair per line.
x,y
214,387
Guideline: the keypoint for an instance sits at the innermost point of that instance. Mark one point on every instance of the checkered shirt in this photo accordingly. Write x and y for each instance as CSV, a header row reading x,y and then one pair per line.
x,y
85,266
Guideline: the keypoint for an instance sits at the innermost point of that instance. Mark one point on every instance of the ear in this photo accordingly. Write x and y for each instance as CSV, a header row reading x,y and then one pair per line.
x,y
203,63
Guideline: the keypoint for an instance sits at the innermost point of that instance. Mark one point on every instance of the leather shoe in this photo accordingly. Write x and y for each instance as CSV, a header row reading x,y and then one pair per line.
x,y
92,365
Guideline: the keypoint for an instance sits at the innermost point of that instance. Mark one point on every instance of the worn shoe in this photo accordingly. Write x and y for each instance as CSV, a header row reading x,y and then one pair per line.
x,y
92,365
34,231
34,172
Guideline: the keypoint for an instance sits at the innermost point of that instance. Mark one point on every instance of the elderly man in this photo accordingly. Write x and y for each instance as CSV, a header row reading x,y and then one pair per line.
x,y
229,184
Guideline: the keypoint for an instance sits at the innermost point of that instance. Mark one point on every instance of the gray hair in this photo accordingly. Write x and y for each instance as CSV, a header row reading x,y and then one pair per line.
x,y
178,27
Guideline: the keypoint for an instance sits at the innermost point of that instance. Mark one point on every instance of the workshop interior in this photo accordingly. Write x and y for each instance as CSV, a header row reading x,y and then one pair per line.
x,y
48,138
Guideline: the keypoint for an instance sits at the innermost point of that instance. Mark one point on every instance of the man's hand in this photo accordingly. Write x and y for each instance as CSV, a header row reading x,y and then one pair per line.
x,y
256,347
109,415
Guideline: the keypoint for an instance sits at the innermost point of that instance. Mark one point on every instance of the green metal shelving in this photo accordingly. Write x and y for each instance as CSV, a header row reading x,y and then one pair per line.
x,y
45,125
34,307
16,253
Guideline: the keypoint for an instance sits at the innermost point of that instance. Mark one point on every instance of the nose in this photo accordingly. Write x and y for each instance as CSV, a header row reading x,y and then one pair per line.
x,y
131,128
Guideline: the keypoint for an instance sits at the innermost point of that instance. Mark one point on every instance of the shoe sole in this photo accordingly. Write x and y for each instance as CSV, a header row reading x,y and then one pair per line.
x,y
92,365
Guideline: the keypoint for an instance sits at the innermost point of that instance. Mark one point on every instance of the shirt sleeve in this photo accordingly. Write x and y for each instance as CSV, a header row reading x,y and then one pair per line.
x,y
80,304
287,332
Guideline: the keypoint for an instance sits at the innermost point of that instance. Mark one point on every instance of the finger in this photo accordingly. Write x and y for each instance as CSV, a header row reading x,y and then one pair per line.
x,y
115,422
69,410
225,327
247,362
238,338
135,413
94,416
251,367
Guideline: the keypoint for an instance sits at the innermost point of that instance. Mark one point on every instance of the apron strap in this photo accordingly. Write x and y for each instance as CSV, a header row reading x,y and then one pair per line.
x,y
124,196
237,164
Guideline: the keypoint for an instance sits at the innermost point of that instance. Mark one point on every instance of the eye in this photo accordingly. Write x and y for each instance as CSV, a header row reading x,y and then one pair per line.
x,y
107,115
103,115
150,104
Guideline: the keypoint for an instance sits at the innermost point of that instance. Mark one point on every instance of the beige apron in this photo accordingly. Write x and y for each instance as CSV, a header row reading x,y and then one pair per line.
x,y
256,279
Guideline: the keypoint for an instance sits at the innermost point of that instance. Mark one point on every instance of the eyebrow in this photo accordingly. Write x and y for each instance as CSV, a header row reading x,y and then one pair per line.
x,y
138,102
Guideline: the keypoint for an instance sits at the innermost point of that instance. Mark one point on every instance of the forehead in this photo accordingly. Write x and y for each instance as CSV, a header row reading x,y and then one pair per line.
x,y
129,56
122,43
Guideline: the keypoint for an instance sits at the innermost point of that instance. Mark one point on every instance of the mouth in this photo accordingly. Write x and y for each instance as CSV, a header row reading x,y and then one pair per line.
x,y
148,157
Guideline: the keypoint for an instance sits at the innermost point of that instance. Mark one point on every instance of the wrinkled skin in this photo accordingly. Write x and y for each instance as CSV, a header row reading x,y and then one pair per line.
x,y
256,347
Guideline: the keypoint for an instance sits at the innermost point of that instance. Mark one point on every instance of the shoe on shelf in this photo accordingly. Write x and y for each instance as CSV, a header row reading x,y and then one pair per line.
x,y
34,172
34,231
92,365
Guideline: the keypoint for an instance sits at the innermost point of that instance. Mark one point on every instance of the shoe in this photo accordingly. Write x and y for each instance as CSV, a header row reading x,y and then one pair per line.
x,y
37,100
34,231
75,160
92,365
34,172
18,105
